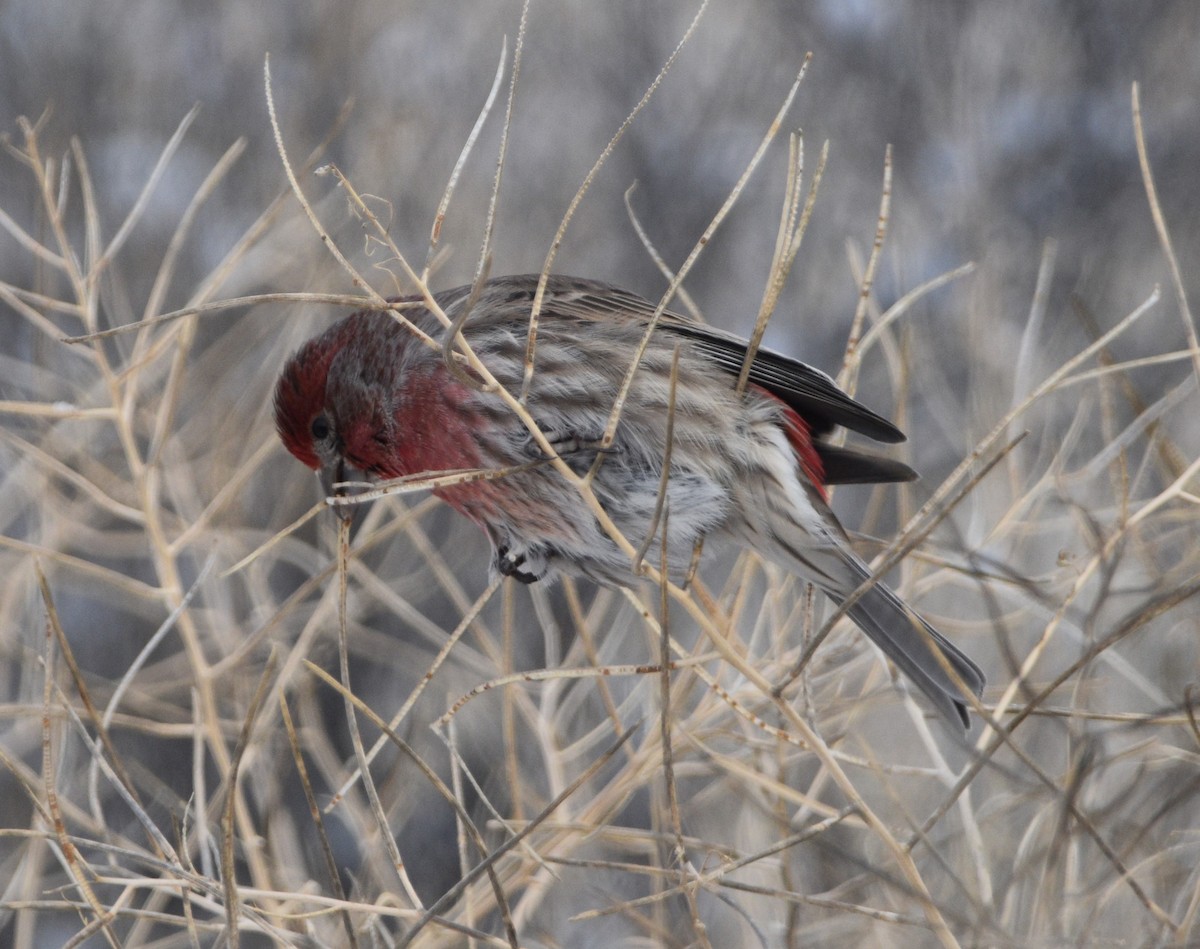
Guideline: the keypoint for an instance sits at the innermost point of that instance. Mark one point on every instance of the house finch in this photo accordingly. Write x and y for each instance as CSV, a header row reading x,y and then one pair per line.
x,y
368,395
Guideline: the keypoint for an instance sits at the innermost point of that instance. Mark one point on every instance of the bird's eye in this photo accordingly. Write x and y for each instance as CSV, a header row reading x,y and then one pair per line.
x,y
320,428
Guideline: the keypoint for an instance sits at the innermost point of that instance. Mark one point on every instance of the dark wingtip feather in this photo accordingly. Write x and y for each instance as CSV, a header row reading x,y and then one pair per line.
x,y
812,393
848,466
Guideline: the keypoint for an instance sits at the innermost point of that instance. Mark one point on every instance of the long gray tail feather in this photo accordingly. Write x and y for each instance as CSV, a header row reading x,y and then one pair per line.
x,y
901,633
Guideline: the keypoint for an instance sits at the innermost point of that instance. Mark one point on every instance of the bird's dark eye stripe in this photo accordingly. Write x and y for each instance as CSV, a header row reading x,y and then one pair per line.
x,y
320,428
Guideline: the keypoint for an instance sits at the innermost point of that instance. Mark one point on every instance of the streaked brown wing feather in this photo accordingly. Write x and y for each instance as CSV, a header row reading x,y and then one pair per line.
x,y
807,390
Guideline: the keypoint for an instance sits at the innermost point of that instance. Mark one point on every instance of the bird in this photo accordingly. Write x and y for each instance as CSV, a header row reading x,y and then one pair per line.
x,y
368,398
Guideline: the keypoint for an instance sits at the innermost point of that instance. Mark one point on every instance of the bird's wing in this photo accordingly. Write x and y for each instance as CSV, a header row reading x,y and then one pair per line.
x,y
841,465
813,394
809,391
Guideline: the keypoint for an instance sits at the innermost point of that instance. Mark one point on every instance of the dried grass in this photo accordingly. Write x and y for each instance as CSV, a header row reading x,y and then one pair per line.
x,y
565,766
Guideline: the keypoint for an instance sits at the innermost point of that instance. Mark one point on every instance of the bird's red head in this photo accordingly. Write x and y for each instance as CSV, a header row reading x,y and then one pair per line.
x,y
336,401
300,393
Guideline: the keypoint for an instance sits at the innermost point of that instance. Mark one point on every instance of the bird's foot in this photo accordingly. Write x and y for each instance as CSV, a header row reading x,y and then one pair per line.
x,y
577,449
510,563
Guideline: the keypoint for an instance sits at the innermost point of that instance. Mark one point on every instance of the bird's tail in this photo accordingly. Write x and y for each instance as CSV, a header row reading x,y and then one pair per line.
x,y
909,641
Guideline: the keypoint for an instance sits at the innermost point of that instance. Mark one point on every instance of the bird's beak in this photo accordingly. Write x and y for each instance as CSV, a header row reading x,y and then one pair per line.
x,y
331,475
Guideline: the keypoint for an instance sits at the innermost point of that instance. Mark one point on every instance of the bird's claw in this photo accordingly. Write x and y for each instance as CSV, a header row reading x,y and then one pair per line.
x,y
577,450
510,564
574,445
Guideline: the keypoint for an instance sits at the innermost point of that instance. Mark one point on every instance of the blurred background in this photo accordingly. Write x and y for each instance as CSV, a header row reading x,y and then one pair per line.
x,y
1013,147
1010,125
